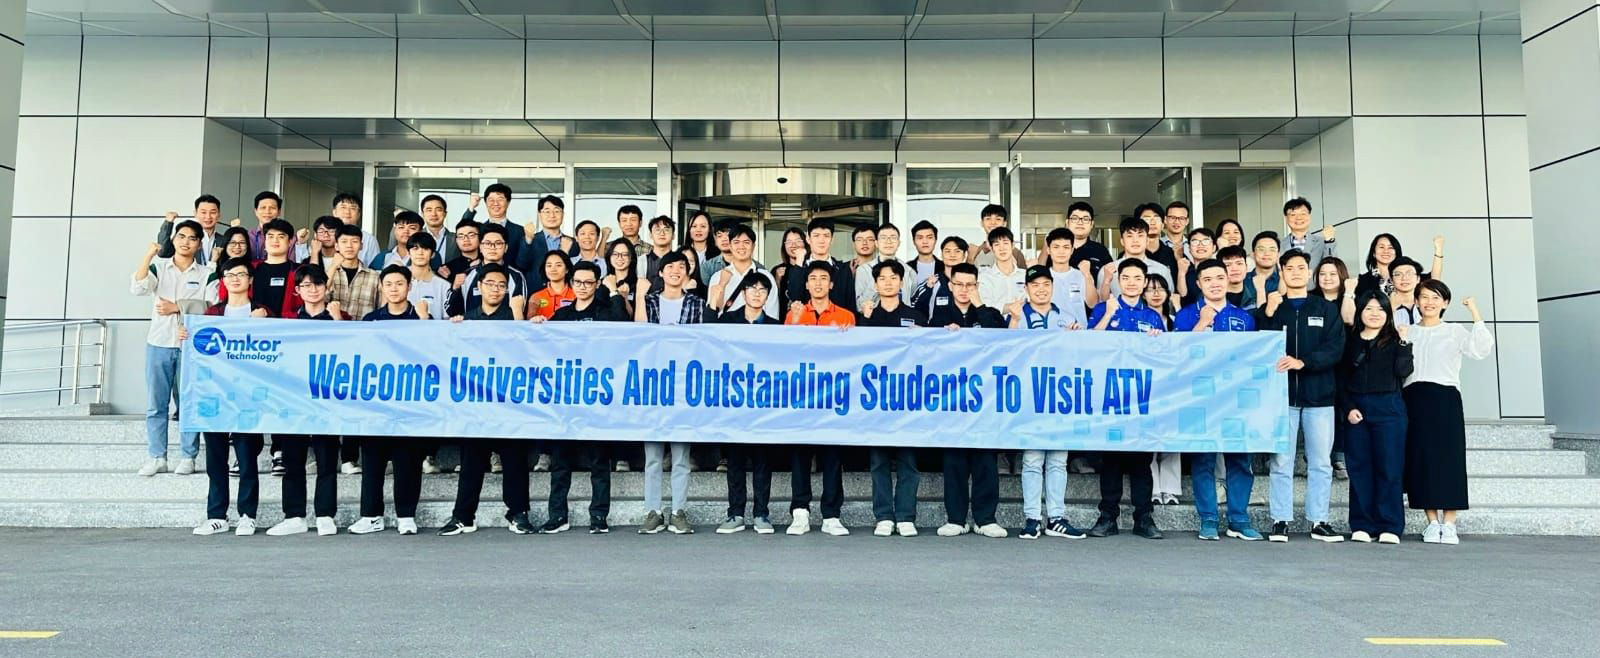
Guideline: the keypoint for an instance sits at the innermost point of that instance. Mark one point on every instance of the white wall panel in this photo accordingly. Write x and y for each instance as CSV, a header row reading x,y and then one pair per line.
x,y
1305,177
1515,286
137,166
978,79
1466,250
1561,64
45,147
1480,389
236,84
1538,15
1521,387
10,101
1322,76
460,78
1502,74
1338,172
219,172
38,268
1506,142
144,76
7,179
1097,78
50,75
103,252
1419,167
561,83
125,389
1561,192
1567,326
1415,75
300,82
715,80
842,80
1230,77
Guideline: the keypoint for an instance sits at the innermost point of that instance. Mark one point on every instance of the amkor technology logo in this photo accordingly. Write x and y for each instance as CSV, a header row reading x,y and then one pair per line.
x,y
210,341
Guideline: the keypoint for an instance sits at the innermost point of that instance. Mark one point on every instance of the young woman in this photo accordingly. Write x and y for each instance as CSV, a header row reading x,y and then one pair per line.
x,y
557,271
235,243
1384,250
698,237
1229,234
587,247
691,281
1333,282
1167,467
1376,362
794,255
1436,437
621,273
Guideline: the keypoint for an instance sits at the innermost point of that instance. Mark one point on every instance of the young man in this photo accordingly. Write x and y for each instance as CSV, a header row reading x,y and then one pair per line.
x,y
753,293
355,287
585,307
866,281
406,224
822,310
894,503
1237,262
1155,251
1044,472
428,290
1214,313
725,291
1297,217
1175,223
347,207
864,240
669,305
181,284
1126,312
207,210
924,238
1315,341
1262,280
236,277
660,246
629,220
274,276
1135,240
1002,283
320,249
530,259
819,241
492,248
934,293
992,216
496,199
1080,221
492,304
433,218
1201,246
311,281
963,466
378,452
1072,290
268,207
466,253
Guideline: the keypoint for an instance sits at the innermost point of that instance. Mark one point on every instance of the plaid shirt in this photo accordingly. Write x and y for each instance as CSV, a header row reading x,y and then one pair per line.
x,y
694,308
357,297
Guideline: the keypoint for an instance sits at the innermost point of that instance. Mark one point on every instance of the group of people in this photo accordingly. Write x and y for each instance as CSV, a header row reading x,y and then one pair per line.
x,y
1373,369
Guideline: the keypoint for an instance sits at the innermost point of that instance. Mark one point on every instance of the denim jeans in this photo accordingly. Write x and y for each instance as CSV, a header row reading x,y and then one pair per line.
x,y
894,498
1239,481
1044,473
1376,450
653,454
245,449
161,380
1317,423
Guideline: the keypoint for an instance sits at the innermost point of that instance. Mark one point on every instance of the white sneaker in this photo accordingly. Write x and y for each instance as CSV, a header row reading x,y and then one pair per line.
x,y
326,527
349,468
1388,538
211,527
622,466
992,531
408,525
952,530
495,466
801,523
430,466
286,527
185,467
367,525
1432,533
245,527
882,529
906,529
1361,536
834,527
543,465
1447,535
153,466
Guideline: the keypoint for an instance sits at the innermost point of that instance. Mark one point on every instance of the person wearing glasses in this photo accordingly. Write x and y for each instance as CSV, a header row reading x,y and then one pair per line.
x,y
530,257
1201,247
311,281
976,468
1263,279
492,246
1080,221
1297,218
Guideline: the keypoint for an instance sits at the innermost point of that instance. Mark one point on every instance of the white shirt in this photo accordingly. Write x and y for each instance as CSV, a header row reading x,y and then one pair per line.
x,y
1068,288
1438,350
240,311
1108,274
997,289
923,270
369,249
672,308
735,301
190,289
867,286
434,291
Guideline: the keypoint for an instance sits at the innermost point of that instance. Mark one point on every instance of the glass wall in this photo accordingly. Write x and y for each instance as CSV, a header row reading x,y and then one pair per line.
x,y
404,187
1113,191
949,197
308,192
603,190
1253,196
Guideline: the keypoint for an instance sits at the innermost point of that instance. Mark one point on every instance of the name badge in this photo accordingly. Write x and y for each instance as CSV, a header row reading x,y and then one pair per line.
x,y
191,284
1145,326
428,299
278,282
908,322
940,301
1314,321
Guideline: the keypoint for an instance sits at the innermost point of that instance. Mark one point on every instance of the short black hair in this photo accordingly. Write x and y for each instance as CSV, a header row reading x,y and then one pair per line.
x,y
630,209
395,269
493,268
819,223
924,225
1059,233
280,225
1152,207
1208,264
587,222
723,225
486,228
864,229
584,266
964,268
502,188
741,229
345,196
819,266
1132,264
1132,225
994,209
1405,261
889,226
660,219
263,196
550,199
313,274
434,197
1297,202
238,261
1203,231
348,230
1438,287
671,258
893,266
1233,251
1177,204
1001,232
1264,235
1293,254
468,223
407,217
421,240
954,239
329,222
1081,205
195,228
207,198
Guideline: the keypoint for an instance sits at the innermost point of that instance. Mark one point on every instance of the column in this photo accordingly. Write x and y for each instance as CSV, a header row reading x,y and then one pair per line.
x,y
10,90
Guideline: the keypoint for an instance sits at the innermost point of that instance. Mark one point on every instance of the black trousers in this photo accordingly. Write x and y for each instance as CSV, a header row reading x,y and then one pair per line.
x,y
962,465
376,454
350,449
894,498
1135,465
245,449
566,454
832,479
760,470
513,476
326,449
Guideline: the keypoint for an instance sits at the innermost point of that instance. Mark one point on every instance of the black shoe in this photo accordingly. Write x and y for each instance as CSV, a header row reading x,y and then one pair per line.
x,y
1104,527
1147,529
453,527
519,524
554,526
598,527
1280,533
233,470
1324,532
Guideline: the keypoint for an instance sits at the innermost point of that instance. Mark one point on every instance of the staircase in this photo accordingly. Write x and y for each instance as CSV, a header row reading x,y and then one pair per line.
x,y
78,471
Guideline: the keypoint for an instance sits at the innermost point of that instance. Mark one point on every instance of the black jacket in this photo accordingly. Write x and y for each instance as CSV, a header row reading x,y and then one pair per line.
x,y
1368,367
1314,334
843,293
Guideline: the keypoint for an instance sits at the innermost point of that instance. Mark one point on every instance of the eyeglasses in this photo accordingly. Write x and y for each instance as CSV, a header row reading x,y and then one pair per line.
x,y
583,282
1200,242
236,276
491,285
1080,218
492,243
309,286
1182,217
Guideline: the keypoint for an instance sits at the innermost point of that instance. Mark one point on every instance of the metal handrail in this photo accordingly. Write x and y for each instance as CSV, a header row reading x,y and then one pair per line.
x,y
77,365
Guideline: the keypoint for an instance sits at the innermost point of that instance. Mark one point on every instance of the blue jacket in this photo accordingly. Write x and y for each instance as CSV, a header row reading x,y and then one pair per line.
x,y
1230,318
1139,317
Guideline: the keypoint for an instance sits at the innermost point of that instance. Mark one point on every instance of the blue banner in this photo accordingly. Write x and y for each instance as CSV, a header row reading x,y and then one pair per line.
x,y
979,388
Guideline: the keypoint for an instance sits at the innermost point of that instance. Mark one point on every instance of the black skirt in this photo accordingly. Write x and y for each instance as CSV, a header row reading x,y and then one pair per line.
x,y
1436,447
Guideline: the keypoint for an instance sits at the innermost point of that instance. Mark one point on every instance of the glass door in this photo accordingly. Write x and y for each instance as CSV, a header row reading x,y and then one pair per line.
x,y
1114,192
403,187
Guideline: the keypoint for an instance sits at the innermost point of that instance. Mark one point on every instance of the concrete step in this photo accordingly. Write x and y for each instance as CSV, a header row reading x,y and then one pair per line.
x,y
106,486
65,410
1177,521
121,457
1507,435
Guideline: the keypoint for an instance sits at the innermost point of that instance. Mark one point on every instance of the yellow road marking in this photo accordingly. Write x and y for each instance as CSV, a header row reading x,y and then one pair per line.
x,y
27,635
1438,641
